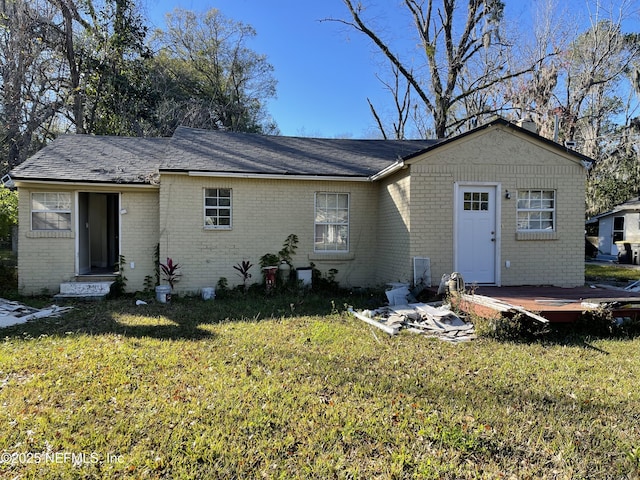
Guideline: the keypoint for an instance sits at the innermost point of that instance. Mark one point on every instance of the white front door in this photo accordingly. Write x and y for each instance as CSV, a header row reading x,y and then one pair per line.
x,y
476,234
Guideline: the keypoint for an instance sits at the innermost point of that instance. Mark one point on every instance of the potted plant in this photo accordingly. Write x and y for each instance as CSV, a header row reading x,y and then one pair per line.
x,y
171,274
269,265
286,257
243,269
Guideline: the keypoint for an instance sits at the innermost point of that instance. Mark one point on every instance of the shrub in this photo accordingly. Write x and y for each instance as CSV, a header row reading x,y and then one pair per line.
x,y
8,211
516,328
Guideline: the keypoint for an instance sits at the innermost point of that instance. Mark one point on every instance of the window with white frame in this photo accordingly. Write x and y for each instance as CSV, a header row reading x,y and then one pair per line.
x,y
51,211
536,210
332,222
217,208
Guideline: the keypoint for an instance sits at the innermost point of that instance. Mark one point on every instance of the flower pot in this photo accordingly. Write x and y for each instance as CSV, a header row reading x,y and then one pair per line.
x,y
284,270
208,293
304,276
163,293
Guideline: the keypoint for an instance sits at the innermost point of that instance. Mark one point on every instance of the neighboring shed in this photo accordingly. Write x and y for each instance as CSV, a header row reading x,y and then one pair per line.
x,y
616,227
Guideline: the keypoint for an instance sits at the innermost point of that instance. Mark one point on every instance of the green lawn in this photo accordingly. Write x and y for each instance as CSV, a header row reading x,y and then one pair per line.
x,y
293,387
610,272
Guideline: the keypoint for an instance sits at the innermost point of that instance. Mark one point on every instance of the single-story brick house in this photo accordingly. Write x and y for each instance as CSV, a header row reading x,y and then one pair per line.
x,y
499,204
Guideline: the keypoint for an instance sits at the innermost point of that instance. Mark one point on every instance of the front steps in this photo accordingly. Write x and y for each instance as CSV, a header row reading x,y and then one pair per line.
x,y
96,289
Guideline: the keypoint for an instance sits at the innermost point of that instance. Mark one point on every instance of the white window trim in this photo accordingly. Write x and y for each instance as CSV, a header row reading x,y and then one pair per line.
x,y
553,210
34,210
348,224
204,209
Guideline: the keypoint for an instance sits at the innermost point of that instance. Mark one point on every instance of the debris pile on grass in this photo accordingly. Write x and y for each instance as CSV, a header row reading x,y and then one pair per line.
x,y
429,319
14,313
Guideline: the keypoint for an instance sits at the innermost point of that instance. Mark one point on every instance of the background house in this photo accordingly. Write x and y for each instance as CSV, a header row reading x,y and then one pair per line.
x,y
609,231
499,204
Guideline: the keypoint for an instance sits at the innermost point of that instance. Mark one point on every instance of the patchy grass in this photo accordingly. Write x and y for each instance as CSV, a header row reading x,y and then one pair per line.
x,y
290,387
610,273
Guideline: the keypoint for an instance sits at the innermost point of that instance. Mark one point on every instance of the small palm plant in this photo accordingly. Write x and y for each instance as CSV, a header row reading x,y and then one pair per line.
x,y
170,272
243,267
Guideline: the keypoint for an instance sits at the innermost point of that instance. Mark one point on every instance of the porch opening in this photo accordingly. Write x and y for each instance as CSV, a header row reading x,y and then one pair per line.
x,y
98,233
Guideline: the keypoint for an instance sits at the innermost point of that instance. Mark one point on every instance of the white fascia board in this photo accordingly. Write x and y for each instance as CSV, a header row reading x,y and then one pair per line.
x,y
86,185
275,176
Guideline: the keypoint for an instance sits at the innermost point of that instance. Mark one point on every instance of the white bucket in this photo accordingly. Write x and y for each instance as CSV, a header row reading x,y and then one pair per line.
x,y
304,276
163,293
208,293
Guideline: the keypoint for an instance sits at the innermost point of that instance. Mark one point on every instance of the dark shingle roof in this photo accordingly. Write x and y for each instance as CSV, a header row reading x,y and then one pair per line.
x,y
88,158
110,159
101,159
230,152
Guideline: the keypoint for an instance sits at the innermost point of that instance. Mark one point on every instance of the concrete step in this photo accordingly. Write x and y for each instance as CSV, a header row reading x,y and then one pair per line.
x,y
84,290
107,277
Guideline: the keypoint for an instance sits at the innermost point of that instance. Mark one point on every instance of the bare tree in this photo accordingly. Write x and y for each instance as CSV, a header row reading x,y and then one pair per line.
x,y
596,65
401,93
533,95
451,39
574,95
30,95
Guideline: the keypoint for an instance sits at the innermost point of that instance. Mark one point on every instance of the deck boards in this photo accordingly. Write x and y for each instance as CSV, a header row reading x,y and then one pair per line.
x,y
565,304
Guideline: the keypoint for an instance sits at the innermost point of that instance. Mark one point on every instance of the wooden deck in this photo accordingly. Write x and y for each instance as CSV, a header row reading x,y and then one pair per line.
x,y
565,305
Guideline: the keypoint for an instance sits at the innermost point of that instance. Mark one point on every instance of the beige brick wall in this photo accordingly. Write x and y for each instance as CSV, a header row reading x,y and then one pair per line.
x,y
46,259
265,212
408,214
394,233
139,235
498,156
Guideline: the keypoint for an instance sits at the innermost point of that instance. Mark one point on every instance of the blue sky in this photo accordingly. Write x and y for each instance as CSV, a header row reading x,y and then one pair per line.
x,y
325,71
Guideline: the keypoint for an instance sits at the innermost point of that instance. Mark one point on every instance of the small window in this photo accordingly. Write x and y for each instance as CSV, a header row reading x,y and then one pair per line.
x,y
536,210
476,201
332,222
217,208
51,211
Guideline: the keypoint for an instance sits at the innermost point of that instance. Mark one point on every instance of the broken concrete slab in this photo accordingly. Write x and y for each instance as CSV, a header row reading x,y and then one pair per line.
x,y
398,295
15,313
390,329
431,320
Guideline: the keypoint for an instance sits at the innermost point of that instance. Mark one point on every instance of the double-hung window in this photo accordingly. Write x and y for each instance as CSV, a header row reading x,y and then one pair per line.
x,y
217,208
51,211
332,222
536,210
